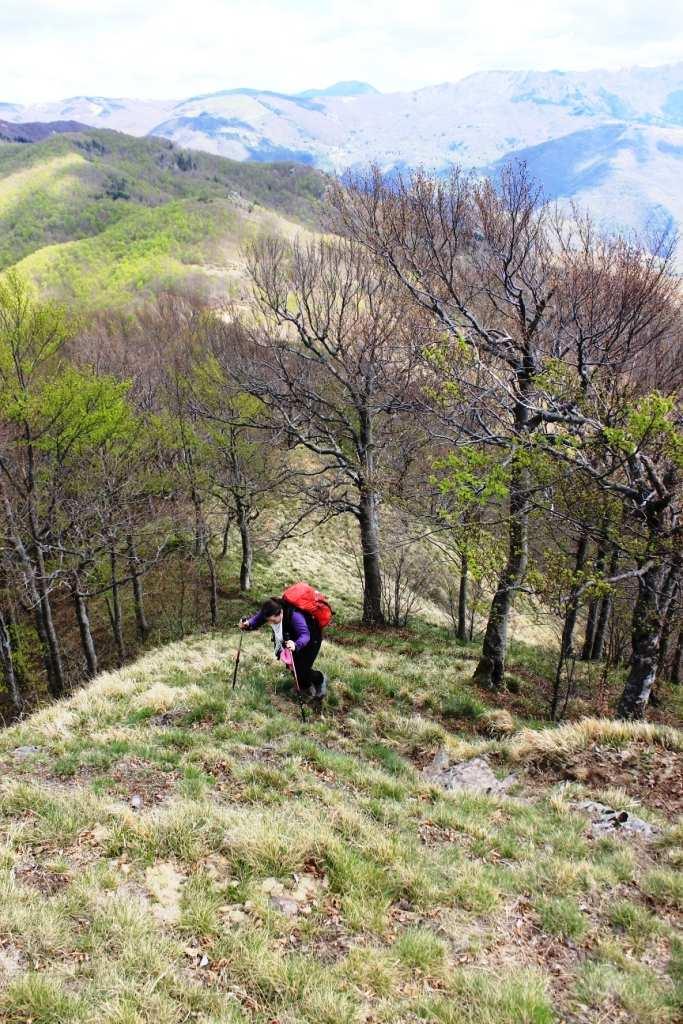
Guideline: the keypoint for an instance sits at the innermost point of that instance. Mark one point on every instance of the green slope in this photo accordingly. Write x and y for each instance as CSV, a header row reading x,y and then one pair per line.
x,y
181,242
94,216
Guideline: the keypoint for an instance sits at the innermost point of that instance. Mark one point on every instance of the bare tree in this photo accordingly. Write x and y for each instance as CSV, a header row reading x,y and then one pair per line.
x,y
477,259
335,362
527,295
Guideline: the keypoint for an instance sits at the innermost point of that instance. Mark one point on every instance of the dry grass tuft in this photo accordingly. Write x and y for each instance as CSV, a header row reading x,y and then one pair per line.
x,y
497,722
535,745
160,697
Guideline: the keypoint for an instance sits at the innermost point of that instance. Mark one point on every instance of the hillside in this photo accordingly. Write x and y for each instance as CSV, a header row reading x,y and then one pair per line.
x,y
98,216
175,851
624,127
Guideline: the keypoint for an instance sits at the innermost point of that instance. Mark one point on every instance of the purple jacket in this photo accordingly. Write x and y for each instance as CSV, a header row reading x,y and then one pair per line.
x,y
294,626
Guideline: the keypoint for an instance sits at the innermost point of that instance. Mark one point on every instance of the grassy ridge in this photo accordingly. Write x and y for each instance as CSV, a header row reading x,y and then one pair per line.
x,y
96,214
149,249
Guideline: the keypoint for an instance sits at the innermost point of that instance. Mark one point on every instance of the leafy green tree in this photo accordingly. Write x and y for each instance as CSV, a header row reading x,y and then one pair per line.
x,y
41,418
635,452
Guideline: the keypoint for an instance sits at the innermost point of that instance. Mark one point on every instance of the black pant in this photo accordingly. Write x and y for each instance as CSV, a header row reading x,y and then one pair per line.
x,y
303,662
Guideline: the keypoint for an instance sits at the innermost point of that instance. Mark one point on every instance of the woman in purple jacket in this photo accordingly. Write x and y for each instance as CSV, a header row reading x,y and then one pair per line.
x,y
295,631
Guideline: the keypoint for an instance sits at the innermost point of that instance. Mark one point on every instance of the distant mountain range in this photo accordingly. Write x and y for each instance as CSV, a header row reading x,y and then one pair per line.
x,y
611,140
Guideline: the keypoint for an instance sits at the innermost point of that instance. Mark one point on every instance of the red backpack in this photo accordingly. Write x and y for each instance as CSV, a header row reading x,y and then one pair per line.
x,y
306,599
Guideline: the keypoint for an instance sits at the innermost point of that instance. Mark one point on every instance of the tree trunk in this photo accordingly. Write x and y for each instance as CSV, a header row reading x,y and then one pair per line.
x,y
368,517
39,618
570,617
491,667
29,581
677,663
594,608
36,580
29,574
573,602
462,598
58,681
591,627
87,641
247,548
653,593
368,521
198,524
226,538
181,607
7,660
604,613
213,593
667,627
56,678
115,609
136,579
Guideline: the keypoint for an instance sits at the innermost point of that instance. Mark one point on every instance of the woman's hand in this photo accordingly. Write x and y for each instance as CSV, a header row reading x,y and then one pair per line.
x,y
290,645
243,624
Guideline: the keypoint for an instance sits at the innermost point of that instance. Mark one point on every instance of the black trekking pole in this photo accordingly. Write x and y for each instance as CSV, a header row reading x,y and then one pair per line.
x,y
237,660
298,690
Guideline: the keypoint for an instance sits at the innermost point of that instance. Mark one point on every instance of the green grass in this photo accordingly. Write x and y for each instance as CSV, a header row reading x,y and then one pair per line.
x,y
420,949
463,706
637,922
561,916
666,886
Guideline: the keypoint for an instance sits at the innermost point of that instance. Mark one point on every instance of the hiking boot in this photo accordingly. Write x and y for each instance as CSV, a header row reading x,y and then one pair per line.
x,y
316,706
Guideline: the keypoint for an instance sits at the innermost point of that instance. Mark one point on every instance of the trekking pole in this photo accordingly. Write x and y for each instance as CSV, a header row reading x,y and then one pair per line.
x,y
237,660
298,690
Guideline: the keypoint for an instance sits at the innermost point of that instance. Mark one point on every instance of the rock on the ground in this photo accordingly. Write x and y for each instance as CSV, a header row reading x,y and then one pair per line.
x,y
22,752
474,776
233,915
605,819
164,883
296,899
12,961
286,906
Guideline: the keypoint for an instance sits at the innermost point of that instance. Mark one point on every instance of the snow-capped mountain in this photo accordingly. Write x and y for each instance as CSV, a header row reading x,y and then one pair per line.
x,y
609,139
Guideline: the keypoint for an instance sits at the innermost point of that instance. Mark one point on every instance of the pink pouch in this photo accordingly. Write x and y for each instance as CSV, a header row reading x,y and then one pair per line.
x,y
287,658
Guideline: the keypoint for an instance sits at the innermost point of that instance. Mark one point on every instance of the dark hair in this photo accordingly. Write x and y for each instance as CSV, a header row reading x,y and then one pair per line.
x,y
273,606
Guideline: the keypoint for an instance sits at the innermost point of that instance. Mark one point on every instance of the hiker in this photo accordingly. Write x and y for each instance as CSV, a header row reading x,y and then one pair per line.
x,y
297,636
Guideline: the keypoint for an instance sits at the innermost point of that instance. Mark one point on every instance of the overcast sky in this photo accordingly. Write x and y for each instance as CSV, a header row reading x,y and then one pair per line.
x,y
175,48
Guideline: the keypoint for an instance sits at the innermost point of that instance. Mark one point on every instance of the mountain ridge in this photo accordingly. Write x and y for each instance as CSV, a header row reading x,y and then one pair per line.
x,y
103,218
37,131
477,122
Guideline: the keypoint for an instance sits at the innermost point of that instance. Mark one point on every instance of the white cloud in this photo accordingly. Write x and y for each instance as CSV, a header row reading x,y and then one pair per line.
x,y
57,48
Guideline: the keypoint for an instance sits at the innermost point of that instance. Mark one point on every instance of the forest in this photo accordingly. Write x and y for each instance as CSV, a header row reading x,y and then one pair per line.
x,y
483,392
